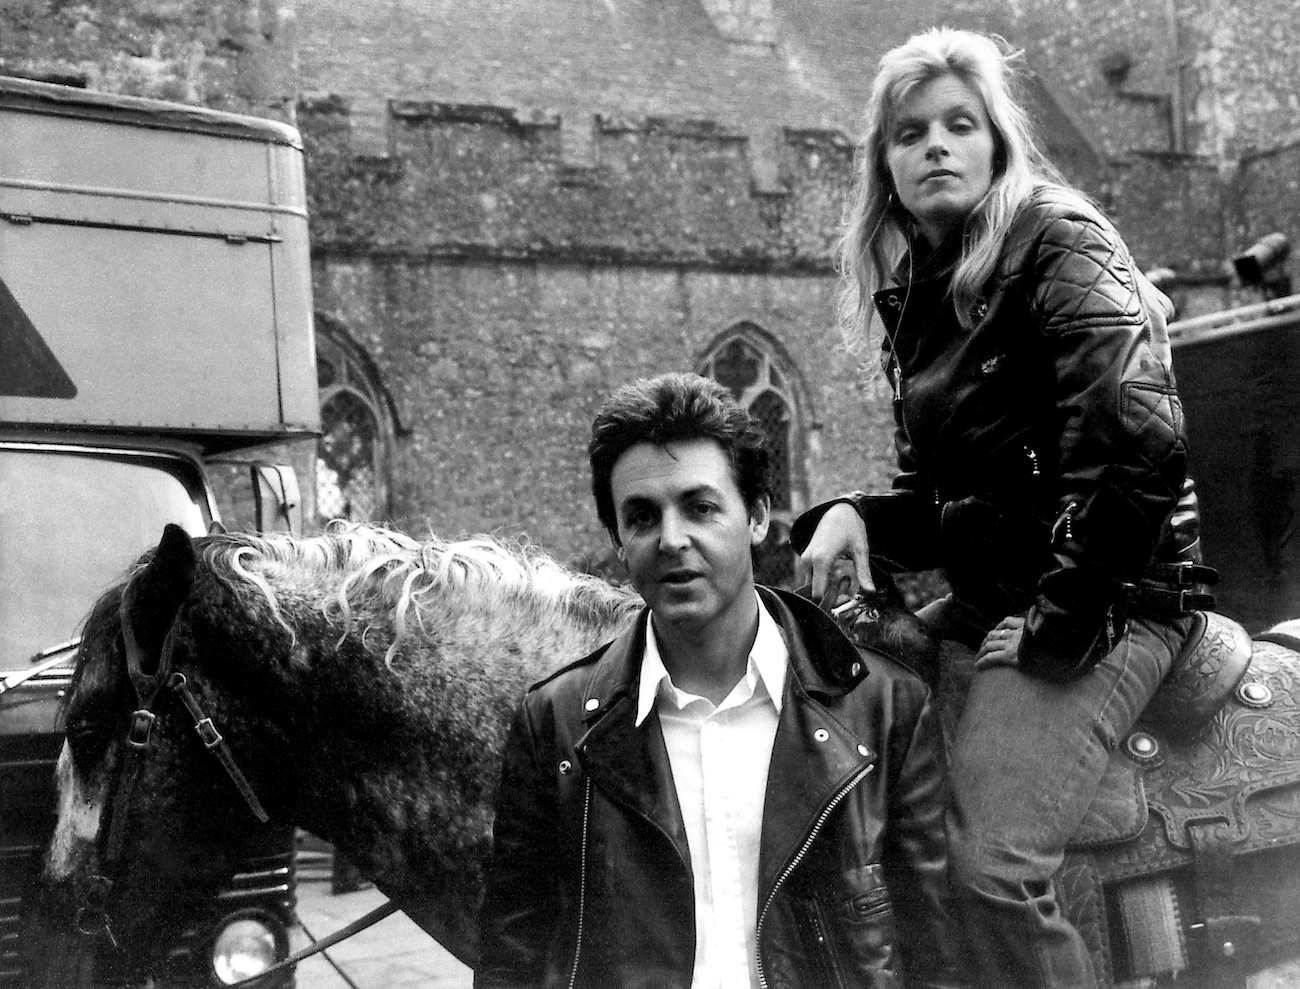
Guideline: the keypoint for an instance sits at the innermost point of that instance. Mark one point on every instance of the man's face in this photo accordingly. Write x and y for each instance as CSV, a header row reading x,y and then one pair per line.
x,y
686,535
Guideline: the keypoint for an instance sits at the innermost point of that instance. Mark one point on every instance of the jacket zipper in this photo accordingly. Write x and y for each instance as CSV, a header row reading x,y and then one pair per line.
x,y
794,864
582,882
1033,461
898,397
1066,519
902,415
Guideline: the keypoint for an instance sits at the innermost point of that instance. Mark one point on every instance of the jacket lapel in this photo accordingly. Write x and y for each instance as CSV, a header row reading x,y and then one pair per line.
x,y
629,764
813,756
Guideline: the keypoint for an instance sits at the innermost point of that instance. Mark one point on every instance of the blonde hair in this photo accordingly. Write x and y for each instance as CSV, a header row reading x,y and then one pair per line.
x,y
878,230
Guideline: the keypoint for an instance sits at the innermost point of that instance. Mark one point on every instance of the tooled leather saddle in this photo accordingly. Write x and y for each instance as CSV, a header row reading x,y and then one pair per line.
x,y
1187,864
1189,857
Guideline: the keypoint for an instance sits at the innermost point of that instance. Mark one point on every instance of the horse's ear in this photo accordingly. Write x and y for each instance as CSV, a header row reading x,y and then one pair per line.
x,y
176,553
156,593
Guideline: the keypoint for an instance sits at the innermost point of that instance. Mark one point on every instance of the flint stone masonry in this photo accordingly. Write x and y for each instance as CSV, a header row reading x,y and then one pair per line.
x,y
233,55
501,300
474,181
497,369
1227,68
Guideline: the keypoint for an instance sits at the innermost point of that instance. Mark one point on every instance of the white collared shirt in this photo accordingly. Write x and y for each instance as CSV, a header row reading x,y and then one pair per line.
x,y
719,758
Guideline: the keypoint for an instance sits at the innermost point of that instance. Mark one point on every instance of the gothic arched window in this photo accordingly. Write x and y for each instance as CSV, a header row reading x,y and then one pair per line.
x,y
753,367
352,456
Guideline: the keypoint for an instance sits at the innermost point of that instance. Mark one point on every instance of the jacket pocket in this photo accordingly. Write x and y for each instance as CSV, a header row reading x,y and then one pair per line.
x,y
866,909
1154,415
861,940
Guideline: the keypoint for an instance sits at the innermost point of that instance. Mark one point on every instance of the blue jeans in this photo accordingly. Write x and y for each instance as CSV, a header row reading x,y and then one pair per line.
x,y
1026,760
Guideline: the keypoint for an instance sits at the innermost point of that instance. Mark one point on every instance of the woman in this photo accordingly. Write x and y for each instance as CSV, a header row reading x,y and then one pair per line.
x,y
1042,456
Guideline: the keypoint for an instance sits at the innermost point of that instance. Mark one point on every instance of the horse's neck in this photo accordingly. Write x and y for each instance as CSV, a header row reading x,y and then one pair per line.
x,y
406,788
540,643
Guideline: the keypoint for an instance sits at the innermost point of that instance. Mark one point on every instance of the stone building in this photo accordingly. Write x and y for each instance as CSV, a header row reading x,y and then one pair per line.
x,y
517,206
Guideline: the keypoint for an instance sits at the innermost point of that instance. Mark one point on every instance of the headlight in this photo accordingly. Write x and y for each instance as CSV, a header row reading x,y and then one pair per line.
x,y
248,945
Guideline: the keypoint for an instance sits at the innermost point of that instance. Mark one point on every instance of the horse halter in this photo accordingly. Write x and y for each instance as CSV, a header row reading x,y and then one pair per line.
x,y
92,915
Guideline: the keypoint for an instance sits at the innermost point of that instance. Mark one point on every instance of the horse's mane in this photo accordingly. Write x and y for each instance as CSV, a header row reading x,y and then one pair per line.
x,y
365,575
368,577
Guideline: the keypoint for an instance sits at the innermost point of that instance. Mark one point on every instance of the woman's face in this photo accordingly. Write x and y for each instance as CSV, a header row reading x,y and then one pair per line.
x,y
940,154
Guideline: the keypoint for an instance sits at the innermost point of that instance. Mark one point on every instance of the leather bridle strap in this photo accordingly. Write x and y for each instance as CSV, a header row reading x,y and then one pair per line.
x,y
146,687
214,743
92,916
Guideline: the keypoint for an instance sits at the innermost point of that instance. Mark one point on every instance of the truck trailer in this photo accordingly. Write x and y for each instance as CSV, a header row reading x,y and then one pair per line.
x,y
155,319
1236,373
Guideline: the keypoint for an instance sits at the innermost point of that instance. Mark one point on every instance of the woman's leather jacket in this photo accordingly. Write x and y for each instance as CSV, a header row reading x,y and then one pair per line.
x,y
1043,449
591,884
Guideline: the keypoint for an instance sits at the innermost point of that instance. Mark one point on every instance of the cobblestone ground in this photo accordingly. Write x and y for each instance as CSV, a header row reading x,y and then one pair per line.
x,y
394,954
1282,977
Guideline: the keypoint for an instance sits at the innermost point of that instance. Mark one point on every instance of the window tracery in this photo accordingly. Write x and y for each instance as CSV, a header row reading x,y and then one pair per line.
x,y
752,366
352,455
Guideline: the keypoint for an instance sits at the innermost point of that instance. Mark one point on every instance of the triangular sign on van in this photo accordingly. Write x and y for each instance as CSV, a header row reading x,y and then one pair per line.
x,y
28,368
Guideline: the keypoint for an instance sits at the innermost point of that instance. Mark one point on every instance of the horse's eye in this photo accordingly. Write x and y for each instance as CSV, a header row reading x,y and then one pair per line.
x,y
87,741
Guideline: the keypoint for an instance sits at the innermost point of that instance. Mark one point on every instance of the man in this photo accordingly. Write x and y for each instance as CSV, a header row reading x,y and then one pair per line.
x,y
730,794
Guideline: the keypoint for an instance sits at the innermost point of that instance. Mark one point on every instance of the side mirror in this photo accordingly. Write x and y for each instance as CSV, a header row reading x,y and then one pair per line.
x,y
277,502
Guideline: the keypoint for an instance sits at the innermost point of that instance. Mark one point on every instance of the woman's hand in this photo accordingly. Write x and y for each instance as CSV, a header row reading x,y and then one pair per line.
x,y
837,549
1001,647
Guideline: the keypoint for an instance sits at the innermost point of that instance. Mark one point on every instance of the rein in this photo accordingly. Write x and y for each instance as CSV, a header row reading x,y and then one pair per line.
x,y
342,934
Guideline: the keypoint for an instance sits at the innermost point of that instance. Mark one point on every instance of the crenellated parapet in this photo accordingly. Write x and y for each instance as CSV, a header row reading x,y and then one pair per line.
x,y
472,181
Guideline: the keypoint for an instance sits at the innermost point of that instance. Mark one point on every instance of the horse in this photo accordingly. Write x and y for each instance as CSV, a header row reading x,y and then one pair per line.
x,y
363,682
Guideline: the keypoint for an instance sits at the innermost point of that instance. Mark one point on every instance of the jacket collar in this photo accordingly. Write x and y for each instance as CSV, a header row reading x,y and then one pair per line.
x,y
922,283
814,755
926,264
627,762
767,661
823,659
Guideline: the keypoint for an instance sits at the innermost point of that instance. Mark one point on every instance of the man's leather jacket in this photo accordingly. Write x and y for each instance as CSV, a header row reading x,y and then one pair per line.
x,y
591,884
1043,449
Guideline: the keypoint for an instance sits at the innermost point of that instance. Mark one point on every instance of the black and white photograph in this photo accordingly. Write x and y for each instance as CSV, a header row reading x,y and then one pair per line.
x,y
649,494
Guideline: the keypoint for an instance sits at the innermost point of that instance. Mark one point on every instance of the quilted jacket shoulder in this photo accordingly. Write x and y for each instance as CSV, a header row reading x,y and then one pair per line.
x,y
1081,268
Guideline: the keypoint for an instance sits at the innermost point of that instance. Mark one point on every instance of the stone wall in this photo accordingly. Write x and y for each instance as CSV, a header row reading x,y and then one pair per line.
x,y
474,181
1216,78
234,55
503,291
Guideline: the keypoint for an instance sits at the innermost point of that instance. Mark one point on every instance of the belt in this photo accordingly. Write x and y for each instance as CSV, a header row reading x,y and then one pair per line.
x,y
1167,590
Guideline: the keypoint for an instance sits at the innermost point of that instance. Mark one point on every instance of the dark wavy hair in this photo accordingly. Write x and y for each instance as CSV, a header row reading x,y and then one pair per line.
x,y
674,408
